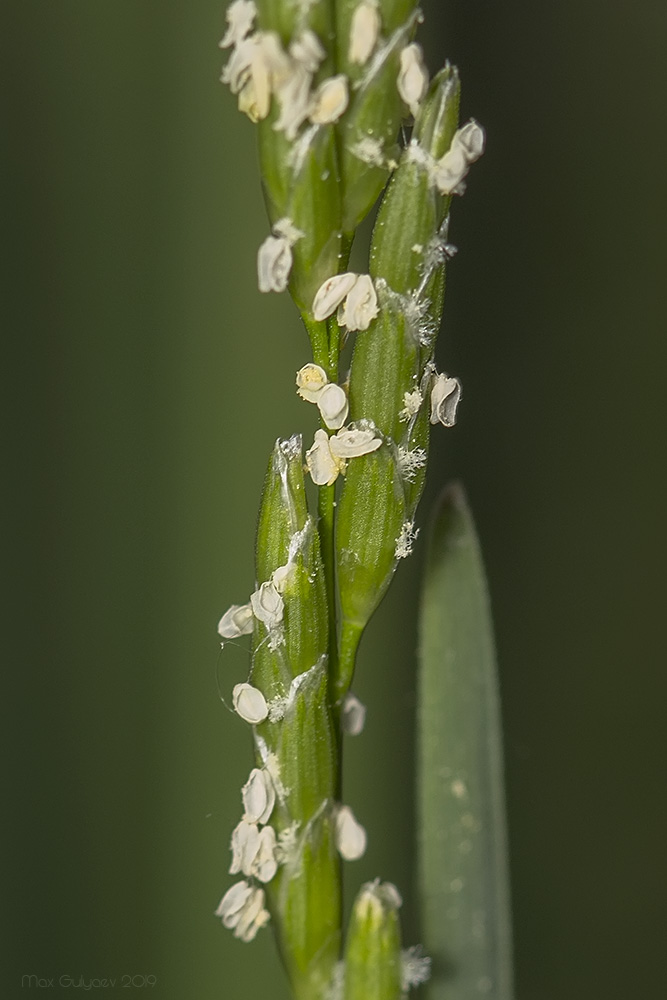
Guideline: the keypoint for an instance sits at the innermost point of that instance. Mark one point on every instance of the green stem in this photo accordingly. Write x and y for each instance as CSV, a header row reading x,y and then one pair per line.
x,y
326,509
325,341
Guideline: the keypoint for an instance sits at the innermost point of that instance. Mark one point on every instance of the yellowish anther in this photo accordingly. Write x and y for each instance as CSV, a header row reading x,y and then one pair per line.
x,y
330,101
413,76
350,835
310,380
364,31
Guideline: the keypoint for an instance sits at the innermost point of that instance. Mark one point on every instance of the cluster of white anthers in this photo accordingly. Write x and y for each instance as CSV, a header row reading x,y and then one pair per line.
x,y
259,67
447,173
242,909
353,295
313,385
256,852
329,456
266,605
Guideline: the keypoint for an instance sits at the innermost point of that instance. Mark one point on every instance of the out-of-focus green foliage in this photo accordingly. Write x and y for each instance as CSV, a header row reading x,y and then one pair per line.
x,y
461,832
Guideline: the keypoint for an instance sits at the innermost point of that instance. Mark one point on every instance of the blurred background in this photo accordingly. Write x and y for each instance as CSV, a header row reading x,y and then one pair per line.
x,y
135,448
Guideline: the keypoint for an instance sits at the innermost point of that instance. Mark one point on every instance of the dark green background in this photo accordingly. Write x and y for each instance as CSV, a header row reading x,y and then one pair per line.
x,y
136,441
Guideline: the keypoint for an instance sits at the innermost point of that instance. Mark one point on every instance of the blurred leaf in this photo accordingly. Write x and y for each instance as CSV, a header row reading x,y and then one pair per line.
x,y
462,840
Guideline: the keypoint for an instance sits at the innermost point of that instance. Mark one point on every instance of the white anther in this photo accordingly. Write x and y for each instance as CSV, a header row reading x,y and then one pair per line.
x,y
253,917
413,77
353,714
321,464
331,293
257,67
278,62
232,903
333,405
310,380
406,540
274,263
267,605
249,703
364,31
240,17
242,908
238,68
445,398
274,257
307,50
411,403
449,172
236,621
360,306
248,73
244,847
353,442
295,100
280,578
259,796
330,101
350,835
264,866
471,138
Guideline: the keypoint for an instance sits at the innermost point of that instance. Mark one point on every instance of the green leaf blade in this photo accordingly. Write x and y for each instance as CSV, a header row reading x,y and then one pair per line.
x,y
463,870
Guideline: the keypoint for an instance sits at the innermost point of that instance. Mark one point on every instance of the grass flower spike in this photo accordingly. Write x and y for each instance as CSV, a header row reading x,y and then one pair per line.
x,y
328,84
